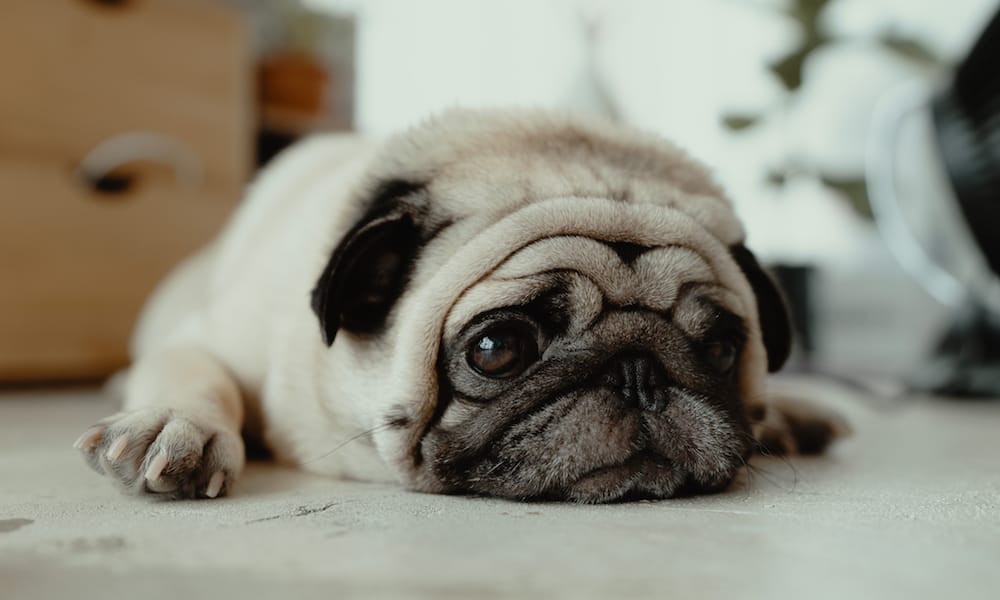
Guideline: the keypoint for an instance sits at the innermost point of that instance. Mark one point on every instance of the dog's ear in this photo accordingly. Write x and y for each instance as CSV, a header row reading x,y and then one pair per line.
x,y
368,269
772,313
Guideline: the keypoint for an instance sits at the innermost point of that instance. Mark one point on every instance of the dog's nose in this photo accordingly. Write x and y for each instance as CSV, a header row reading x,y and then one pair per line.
x,y
639,380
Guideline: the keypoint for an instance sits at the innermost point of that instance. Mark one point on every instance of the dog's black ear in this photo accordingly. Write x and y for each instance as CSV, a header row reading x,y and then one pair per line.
x,y
368,269
775,325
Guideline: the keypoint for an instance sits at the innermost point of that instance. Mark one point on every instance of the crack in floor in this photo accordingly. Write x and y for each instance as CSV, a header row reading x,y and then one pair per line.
x,y
301,511
8,525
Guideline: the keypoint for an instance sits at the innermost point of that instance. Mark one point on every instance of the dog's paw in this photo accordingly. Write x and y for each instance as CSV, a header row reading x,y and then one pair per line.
x,y
791,426
164,452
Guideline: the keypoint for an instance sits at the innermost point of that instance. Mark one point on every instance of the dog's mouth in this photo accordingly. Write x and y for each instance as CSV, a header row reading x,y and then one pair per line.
x,y
613,482
644,475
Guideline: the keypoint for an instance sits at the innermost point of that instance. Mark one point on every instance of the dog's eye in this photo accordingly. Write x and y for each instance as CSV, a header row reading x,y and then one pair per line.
x,y
722,355
503,352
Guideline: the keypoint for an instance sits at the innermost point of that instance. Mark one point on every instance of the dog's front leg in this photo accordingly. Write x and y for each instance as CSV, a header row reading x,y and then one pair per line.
x,y
179,435
794,426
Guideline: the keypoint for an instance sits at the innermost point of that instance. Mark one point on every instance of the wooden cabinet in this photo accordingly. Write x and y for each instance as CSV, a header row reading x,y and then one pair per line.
x,y
149,99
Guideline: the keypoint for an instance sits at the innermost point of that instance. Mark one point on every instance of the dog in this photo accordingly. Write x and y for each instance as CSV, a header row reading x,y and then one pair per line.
x,y
519,304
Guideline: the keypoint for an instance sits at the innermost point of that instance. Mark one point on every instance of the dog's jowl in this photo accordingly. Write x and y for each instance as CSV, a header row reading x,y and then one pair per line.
x,y
517,304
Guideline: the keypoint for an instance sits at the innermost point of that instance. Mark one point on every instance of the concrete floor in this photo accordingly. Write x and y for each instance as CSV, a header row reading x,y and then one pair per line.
x,y
907,508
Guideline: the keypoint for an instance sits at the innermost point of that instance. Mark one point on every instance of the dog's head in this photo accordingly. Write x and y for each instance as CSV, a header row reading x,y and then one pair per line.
x,y
553,309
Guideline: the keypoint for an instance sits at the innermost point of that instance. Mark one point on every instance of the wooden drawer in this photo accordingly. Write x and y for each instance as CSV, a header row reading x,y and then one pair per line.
x,y
158,88
77,265
78,72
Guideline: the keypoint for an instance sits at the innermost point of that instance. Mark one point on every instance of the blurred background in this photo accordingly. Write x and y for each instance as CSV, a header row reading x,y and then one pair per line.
x,y
128,129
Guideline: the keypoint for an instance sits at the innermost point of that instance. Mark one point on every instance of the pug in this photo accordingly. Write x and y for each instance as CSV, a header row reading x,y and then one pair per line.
x,y
518,304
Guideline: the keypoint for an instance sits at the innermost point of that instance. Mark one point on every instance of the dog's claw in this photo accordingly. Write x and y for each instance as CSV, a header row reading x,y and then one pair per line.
x,y
215,484
89,439
116,449
156,467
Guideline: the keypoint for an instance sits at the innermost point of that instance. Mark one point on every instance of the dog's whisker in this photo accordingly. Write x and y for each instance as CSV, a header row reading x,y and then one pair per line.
x,y
765,474
353,438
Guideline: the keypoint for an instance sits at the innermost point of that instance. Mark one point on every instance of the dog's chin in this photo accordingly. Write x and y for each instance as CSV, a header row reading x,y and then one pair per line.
x,y
640,476
645,476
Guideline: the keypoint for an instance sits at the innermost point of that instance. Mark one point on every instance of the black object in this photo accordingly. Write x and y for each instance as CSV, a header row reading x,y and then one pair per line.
x,y
112,184
967,123
797,281
966,361
270,143
966,118
111,4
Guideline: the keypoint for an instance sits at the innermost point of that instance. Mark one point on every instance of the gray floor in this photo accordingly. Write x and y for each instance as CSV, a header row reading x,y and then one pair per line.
x,y
909,507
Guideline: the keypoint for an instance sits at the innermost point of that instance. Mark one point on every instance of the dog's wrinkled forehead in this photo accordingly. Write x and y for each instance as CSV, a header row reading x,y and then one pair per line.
x,y
478,164
599,274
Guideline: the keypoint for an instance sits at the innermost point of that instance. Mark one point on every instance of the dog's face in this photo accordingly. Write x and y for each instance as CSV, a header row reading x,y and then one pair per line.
x,y
570,395
593,365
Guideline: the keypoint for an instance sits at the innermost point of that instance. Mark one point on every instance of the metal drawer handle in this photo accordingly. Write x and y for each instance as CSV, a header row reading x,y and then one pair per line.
x,y
102,167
